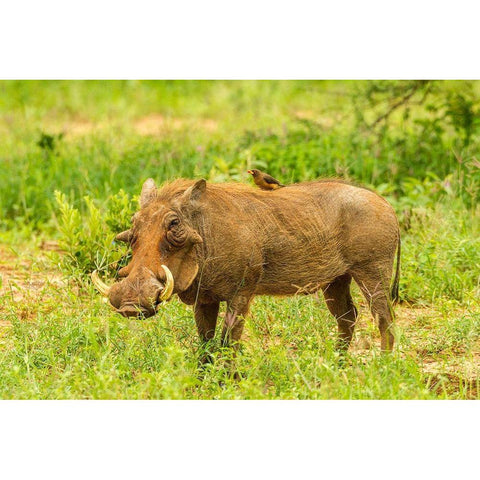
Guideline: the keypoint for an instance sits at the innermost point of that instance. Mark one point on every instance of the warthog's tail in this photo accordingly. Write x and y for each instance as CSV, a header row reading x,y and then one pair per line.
x,y
396,278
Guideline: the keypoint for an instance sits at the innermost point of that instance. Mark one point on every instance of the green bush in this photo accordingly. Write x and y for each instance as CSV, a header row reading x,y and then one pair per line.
x,y
89,240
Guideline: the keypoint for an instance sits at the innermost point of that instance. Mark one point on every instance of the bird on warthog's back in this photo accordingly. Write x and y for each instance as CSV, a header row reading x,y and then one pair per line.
x,y
264,181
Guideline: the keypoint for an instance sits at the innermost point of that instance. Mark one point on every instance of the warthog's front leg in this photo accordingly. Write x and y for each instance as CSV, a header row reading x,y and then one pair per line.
x,y
206,320
234,321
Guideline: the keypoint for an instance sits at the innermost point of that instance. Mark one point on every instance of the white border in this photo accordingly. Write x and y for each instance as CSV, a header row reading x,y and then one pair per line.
x,y
185,39
249,39
239,439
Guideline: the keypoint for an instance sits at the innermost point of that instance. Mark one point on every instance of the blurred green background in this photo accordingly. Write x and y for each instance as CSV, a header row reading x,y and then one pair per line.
x,y
407,139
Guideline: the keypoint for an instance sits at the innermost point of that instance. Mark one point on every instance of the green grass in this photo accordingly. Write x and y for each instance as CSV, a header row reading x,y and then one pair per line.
x,y
59,340
66,343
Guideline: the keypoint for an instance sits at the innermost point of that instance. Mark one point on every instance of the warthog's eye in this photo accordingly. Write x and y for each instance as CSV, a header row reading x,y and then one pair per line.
x,y
176,232
173,223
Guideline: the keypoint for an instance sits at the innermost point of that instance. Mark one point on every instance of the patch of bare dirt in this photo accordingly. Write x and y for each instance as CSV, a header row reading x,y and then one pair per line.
x,y
156,124
24,282
454,372
453,383
324,121
50,246
79,127
148,125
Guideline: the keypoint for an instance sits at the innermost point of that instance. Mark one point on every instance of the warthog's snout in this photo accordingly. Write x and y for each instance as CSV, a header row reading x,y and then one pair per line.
x,y
137,296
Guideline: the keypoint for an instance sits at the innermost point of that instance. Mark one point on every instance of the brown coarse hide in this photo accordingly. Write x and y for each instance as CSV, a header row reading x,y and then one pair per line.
x,y
230,242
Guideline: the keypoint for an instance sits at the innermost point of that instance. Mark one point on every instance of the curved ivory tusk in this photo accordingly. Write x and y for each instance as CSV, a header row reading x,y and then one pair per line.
x,y
168,289
102,287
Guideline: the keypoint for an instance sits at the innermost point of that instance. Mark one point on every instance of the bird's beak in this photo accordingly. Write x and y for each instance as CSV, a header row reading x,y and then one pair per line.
x,y
250,172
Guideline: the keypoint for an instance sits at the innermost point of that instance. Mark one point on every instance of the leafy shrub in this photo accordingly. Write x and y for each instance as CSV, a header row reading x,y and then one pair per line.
x,y
89,240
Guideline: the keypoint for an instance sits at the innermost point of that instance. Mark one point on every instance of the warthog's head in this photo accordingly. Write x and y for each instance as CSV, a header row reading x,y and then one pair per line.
x,y
163,258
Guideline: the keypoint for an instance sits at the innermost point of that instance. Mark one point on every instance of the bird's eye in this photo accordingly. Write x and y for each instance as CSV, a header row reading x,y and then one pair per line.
x,y
173,223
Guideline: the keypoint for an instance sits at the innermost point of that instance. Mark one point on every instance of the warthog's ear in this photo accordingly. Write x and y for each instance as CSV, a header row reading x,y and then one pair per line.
x,y
148,192
195,193
124,236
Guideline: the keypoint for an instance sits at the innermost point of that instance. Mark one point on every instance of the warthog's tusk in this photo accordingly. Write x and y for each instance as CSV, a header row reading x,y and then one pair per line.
x,y
103,288
168,289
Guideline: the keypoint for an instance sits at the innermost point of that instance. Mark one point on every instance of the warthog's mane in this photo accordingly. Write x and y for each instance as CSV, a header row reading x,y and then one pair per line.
x,y
175,188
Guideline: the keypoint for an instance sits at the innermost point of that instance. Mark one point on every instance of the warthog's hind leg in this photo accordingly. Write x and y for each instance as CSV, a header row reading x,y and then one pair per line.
x,y
374,284
340,303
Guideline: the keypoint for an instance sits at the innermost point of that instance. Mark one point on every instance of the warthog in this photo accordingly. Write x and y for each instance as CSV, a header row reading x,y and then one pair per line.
x,y
210,243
